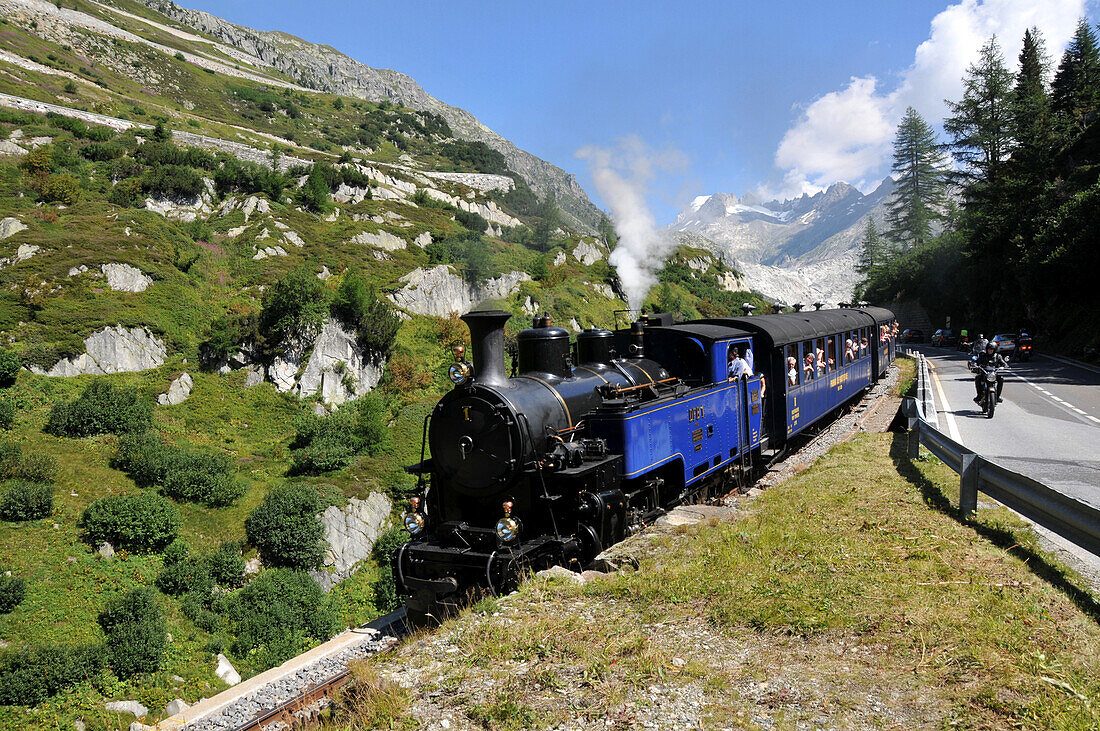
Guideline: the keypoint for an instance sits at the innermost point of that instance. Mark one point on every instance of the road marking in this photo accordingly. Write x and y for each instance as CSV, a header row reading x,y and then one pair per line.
x,y
1057,399
952,427
1082,413
1093,418
1061,402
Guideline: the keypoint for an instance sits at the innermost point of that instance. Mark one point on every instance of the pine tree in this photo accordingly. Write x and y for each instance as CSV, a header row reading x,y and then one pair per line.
x,y
872,252
920,170
1076,87
1032,130
980,124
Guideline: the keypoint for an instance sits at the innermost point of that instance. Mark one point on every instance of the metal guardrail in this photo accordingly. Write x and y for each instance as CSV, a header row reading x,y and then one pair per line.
x,y
1072,519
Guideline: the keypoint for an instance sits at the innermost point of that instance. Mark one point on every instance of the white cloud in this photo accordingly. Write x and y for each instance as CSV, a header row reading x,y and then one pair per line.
x,y
847,134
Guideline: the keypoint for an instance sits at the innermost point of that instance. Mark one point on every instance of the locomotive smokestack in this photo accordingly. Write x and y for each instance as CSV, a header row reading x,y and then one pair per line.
x,y
637,339
487,341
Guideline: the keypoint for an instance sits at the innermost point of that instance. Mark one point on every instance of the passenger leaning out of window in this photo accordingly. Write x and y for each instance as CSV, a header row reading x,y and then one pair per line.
x,y
792,371
739,366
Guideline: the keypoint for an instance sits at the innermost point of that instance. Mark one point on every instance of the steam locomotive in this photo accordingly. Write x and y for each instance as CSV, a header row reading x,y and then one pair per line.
x,y
588,442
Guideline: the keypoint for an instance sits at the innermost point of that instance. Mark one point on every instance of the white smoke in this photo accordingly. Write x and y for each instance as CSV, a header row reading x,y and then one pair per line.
x,y
622,177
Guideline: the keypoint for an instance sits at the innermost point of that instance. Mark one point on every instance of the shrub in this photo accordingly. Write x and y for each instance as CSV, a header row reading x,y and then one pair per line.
x,y
279,613
176,551
38,162
7,414
26,501
172,181
374,321
316,193
201,477
136,633
187,576
385,588
12,591
179,56
473,221
62,188
9,367
14,465
102,408
325,443
227,565
28,677
126,193
143,522
286,529
296,305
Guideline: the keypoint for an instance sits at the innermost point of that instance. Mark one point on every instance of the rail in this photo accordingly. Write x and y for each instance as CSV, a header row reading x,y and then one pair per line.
x,y
1072,519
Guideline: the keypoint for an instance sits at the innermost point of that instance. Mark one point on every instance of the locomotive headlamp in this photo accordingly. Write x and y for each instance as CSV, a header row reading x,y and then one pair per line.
x,y
460,372
507,527
459,351
414,520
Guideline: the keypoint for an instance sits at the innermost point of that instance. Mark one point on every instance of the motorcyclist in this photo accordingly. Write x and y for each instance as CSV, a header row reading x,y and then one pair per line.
x,y
990,357
981,344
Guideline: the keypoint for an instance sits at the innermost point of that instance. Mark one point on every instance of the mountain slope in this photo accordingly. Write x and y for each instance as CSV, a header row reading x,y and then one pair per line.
x,y
326,69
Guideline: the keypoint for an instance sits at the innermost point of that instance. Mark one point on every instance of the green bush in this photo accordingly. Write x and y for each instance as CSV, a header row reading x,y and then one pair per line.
x,y
227,565
279,614
103,408
28,677
143,522
374,321
286,528
296,305
62,188
7,414
385,588
177,551
201,477
325,443
316,193
136,633
12,591
172,181
9,367
127,193
187,576
473,221
26,501
14,465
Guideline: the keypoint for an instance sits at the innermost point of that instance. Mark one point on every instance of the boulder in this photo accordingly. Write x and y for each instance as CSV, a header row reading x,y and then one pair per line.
x,y
107,550
587,253
73,271
252,566
559,258
254,377
178,391
133,707
252,204
226,672
530,308
351,532
423,239
382,239
112,350
562,573
10,226
24,252
7,147
338,368
282,371
175,707
439,291
125,278
294,238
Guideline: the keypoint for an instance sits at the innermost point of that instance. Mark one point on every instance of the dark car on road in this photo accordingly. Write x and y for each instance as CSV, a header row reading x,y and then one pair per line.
x,y
1005,342
944,337
911,335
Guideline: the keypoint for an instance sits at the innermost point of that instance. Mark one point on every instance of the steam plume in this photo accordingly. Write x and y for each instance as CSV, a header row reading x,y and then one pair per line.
x,y
622,177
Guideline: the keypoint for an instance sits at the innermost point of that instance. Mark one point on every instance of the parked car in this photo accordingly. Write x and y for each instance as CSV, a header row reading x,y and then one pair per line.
x,y
911,335
944,337
1006,343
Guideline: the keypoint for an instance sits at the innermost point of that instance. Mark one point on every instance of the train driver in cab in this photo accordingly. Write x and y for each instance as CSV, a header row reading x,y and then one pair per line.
x,y
738,365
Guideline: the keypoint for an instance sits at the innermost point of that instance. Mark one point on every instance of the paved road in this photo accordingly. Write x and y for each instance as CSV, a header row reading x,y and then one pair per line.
x,y
1047,428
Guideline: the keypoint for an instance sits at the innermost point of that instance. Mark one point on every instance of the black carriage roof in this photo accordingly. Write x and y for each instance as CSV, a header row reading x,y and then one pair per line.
x,y
703,330
797,326
881,314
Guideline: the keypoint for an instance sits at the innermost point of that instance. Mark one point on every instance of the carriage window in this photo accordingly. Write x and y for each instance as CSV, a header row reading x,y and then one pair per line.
x,y
807,365
819,356
830,351
791,365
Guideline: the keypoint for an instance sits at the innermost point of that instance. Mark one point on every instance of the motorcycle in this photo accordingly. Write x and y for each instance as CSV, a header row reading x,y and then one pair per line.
x,y
988,401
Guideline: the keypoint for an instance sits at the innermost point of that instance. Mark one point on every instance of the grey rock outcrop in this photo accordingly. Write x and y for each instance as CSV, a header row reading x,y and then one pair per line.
x,y
106,550
254,377
559,258
112,350
7,147
439,291
382,239
423,239
489,211
226,672
133,707
178,391
338,368
10,226
351,532
252,204
175,707
24,252
587,253
125,278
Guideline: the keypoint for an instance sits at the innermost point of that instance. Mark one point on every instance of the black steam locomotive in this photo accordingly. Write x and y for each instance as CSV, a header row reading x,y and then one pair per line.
x,y
589,441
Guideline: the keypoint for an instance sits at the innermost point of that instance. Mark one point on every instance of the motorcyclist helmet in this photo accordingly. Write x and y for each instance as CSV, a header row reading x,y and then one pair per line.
x,y
990,346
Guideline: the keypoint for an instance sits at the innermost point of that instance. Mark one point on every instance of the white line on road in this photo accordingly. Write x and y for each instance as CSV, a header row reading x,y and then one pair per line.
x,y
945,409
1061,402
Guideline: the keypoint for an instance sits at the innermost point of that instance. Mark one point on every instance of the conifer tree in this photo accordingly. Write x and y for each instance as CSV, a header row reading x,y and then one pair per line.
x,y
1032,131
980,124
872,251
920,170
1076,87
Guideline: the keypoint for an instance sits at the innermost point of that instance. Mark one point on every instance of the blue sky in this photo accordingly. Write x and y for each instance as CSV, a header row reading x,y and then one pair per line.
x,y
779,98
